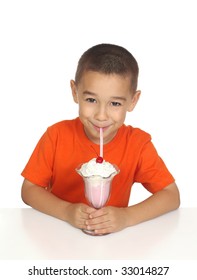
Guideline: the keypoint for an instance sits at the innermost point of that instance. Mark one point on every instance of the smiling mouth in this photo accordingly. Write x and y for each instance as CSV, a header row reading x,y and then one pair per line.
x,y
97,128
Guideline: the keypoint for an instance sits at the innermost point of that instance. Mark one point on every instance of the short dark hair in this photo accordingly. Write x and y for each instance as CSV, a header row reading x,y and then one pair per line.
x,y
108,59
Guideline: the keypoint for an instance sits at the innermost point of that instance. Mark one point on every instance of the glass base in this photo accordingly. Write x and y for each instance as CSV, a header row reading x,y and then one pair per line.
x,y
92,232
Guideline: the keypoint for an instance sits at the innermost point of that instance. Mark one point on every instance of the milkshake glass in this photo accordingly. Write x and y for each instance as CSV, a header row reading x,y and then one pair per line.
x,y
97,189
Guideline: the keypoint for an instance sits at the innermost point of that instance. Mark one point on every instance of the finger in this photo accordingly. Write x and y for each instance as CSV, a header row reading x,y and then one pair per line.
x,y
98,213
103,231
98,220
81,222
103,228
88,210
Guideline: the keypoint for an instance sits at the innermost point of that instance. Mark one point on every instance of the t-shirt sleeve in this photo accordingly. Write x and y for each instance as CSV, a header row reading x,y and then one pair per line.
x,y
40,165
151,171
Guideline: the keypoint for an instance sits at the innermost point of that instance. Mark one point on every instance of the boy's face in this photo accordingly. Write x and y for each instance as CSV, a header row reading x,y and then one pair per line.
x,y
103,102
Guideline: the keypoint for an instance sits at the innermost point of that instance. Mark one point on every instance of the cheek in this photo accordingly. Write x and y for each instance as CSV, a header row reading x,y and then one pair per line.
x,y
85,110
119,115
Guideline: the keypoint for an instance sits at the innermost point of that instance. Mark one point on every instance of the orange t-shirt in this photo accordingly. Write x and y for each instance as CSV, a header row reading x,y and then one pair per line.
x,y
65,145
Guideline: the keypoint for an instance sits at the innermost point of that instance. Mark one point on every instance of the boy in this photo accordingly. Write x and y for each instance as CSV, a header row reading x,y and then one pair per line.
x,y
105,89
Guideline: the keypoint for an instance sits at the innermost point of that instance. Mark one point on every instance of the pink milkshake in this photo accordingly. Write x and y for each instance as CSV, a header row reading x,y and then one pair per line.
x,y
97,179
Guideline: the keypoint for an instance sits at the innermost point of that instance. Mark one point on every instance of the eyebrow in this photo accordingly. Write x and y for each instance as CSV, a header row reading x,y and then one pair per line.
x,y
89,93
112,97
119,98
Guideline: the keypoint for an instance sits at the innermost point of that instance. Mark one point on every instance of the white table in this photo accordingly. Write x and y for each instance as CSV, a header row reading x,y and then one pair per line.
x,y
27,234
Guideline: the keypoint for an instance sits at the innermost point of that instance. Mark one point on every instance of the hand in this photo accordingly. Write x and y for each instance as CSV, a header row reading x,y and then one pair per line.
x,y
108,219
77,214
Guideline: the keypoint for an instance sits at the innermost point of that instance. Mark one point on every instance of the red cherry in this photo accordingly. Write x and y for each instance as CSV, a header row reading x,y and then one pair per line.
x,y
99,160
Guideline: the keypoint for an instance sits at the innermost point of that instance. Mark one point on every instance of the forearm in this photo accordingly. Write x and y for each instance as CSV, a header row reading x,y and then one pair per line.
x,y
157,204
44,201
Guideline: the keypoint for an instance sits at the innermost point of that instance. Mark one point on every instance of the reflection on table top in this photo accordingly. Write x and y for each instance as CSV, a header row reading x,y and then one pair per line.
x,y
28,234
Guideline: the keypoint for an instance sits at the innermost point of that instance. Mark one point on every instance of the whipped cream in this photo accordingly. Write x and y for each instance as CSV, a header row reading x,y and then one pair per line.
x,y
104,169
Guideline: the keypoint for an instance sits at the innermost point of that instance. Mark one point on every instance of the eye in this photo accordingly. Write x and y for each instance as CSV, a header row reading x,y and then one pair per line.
x,y
91,100
116,104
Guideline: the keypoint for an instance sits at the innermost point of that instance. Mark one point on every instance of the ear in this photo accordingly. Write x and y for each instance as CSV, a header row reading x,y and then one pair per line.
x,y
134,100
74,91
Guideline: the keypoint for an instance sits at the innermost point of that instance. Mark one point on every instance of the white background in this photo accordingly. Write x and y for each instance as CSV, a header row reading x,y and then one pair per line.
x,y
40,44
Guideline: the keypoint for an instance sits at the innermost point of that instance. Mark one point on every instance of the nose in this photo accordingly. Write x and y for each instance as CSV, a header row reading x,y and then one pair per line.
x,y
101,113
